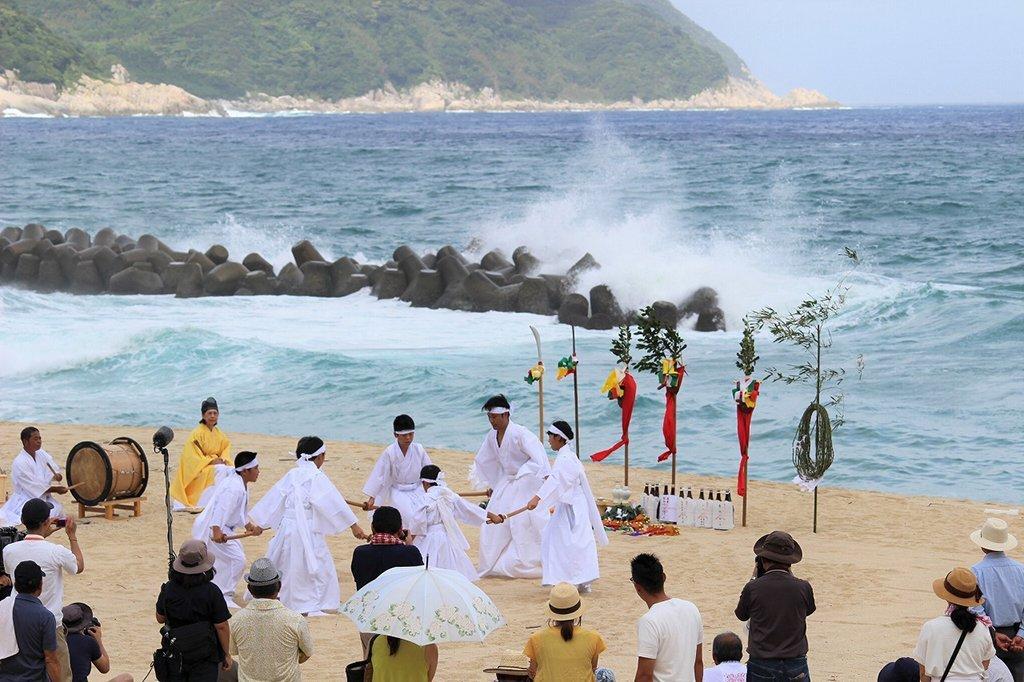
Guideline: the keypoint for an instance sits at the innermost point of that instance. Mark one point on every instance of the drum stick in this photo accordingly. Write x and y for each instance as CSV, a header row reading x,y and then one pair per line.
x,y
517,511
72,487
239,536
50,467
359,504
473,493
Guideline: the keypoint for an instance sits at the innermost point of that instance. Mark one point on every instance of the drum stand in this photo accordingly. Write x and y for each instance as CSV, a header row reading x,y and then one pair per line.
x,y
167,502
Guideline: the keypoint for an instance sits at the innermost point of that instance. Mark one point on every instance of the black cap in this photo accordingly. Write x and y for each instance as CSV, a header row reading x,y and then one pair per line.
x,y
900,670
209,404
28,571
35,512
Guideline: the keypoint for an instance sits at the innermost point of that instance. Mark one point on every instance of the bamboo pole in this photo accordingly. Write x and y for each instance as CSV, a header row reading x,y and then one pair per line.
x,y
575,392
746,494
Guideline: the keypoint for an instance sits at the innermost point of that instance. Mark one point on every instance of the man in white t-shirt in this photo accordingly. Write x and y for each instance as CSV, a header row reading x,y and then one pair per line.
x,y
726,651
670,634
54,559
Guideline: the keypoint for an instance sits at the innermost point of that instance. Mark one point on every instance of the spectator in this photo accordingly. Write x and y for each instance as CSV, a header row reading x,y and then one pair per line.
x,y
196,617
28,634
398,660
387,549
269,639
901,670
564,650
1001,580
670,634
726,652
85,644
775,603
953,644
54,559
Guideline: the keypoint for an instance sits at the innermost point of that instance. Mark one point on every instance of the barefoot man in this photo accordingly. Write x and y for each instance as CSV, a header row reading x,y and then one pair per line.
x,y
206,445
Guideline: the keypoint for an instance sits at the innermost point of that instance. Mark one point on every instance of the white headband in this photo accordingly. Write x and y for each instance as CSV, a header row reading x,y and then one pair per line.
x,y
439,480
251,465
498,410
402,433
314,455
554,430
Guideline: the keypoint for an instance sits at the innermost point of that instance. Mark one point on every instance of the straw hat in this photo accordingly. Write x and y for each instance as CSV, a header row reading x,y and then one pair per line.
x,y
959,587
994,535
564,602
193,558
511,664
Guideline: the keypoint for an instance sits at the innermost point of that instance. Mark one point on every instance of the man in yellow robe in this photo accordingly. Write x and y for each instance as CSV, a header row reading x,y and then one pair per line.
x,y
206,445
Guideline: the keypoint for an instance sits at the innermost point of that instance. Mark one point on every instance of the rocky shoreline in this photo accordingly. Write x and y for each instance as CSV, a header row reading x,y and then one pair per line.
x,y
120,96
47,260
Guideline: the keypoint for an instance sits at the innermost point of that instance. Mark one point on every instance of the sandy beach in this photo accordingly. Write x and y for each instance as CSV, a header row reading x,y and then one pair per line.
x,y
871,563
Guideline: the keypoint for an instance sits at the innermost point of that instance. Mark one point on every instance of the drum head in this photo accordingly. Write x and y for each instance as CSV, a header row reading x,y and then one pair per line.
x,y
88,468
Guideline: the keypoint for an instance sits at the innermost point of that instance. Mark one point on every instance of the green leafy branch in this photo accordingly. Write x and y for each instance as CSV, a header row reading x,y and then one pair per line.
x,y
747,357
622,346
656,341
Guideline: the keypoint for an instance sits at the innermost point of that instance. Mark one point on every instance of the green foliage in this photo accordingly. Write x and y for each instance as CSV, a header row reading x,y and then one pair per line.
x,y
38,54
657,341
603,50
747,358
621,346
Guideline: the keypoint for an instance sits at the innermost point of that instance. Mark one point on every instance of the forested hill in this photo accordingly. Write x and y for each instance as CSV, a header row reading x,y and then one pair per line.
x,y
41,55
579,50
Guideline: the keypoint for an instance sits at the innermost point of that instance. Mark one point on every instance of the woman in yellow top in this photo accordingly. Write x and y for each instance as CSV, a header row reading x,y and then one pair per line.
x,y
399,660
207,445
565,651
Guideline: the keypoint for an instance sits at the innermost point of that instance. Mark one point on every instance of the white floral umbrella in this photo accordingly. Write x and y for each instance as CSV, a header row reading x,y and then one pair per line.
x,y
425,606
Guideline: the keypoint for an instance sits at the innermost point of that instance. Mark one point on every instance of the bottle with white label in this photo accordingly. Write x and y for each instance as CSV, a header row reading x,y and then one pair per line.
x,y
701,517
668,509
730,511
718,511
644,498
686,508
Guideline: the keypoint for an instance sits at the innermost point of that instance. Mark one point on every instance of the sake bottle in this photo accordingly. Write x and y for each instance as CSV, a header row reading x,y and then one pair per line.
x,y
730,511
645,498
686,509
702,511
668,497
718,511
655,502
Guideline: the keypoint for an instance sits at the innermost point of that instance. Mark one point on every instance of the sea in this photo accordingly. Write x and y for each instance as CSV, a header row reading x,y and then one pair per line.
x,y
758,205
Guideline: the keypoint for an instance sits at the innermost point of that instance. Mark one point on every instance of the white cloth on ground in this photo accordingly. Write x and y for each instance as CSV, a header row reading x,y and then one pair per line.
x,y
436,527
226,508
303,507
395,479
570,539
30,477
515,471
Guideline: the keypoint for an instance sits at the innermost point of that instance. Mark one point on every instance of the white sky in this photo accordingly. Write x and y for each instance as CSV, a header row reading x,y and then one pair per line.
x,y
877,51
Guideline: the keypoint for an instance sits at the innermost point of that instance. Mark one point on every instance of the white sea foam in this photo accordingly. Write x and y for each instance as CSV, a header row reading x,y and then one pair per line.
x,y
11,112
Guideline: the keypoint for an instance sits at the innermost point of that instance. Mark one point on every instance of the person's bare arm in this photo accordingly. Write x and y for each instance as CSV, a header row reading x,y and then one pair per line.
x,y
224,635
161,618
644,670
52,664
430,653
924,677
103,662
72,530
593,662
698,664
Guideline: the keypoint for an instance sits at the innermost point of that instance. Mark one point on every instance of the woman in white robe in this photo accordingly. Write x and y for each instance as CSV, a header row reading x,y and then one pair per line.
x,y
436,524
512,463
395,479
303,507
32,475
225,514
570,540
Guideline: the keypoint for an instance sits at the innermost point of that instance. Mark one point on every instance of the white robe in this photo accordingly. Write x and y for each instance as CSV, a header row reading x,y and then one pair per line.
x,y
395,480
226,508
303,507
30,477
570,540
514,471
436,527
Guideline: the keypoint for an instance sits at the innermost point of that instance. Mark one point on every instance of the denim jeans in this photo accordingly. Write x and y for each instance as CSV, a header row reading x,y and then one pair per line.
x,y
778,670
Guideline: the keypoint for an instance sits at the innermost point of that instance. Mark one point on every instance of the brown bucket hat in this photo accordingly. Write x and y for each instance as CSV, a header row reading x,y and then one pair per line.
x,y
780,547
193,558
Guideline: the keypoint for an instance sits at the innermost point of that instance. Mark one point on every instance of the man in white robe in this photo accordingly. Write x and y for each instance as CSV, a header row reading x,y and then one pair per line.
x,y
395,479
303,507
436,524
34,473
575,531
226,513
512,463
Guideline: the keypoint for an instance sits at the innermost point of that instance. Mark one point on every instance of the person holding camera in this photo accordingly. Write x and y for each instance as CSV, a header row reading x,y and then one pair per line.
x,y
54,559
85,644
776,603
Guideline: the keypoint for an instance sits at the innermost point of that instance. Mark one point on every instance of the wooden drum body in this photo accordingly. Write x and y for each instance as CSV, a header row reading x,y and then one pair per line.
x,y
109,471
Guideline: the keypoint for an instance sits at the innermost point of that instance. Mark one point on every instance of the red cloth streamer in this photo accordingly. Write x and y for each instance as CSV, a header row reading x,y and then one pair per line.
x,y
668,424
628,399
743,415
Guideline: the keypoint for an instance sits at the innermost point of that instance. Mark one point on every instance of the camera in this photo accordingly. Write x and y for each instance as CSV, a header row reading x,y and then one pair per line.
x,y
60,523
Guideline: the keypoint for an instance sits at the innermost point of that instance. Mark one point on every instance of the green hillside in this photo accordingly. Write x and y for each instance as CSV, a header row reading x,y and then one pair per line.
x,y
602,50
40,55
